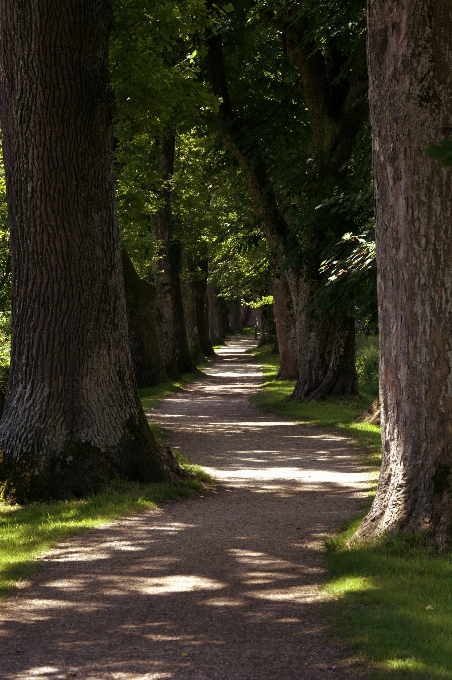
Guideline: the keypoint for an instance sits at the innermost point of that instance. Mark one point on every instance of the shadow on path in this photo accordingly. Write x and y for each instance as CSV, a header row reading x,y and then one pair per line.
x,y
224,587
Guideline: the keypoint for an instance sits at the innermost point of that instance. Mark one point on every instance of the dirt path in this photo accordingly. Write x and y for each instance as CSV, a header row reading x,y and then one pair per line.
x,y
224,587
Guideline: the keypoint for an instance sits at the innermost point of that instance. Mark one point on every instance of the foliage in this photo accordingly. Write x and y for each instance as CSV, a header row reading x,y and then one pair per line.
x,y
443,152
154,76
367,363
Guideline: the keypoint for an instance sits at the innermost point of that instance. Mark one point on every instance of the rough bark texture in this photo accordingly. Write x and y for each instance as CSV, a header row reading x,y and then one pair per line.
x,y
169,306
327,361
165,313
245,315
72,417
410,60
202,315
148,364
371,415
285,329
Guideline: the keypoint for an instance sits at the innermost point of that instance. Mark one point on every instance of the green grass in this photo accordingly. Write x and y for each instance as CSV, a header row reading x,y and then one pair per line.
x,y
28,532
392,600
152,396
330,414
393,604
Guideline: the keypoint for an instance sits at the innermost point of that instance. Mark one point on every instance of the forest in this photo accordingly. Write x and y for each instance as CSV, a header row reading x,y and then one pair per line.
x,y
174,174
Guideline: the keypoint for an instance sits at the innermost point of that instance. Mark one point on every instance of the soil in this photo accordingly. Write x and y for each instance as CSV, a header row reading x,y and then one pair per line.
x,y
226,586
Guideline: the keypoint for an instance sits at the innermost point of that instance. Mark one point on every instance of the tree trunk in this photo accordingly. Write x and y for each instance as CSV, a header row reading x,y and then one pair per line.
x,y
326,348
164,303
72,417
285,329
191,325
216,314
235,316
410,64
202,308
169,306
148,364
185,363
245,315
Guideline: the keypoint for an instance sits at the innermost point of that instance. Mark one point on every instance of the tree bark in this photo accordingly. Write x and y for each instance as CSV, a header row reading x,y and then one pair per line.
x,y
202,307
185,363
410,63
72,417
235,316
327,356
285,329
190,313
148,364
169,305
216,335
163,278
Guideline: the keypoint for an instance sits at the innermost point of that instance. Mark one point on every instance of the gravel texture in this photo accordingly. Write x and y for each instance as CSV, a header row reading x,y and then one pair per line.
x,y
224,587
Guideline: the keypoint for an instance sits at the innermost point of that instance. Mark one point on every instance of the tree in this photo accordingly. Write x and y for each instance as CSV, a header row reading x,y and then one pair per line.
x,y
410,64
332,83
72,417
147,359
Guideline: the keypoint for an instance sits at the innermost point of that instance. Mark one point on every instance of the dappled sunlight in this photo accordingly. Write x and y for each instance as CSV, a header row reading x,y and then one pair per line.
x,y
198,590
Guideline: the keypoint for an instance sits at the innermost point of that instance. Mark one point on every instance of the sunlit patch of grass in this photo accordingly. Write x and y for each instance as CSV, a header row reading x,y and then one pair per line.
x,y
391,600
27,532
392,604
152,396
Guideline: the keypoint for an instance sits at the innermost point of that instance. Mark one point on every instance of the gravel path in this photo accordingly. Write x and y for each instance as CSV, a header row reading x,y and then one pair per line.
x,y
224,587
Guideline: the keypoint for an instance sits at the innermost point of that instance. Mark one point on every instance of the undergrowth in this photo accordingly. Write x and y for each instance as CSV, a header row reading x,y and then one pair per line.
x,y
391,600
28,532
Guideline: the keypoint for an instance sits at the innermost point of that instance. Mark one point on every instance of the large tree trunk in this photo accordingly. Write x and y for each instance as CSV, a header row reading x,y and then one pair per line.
x,y
169,306
285,329
189,300
410,64
72,417
326,348
148,364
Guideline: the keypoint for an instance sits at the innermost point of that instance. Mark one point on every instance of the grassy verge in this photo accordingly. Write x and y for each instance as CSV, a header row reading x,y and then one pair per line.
x,y
392,601
392,606
329,414
28,532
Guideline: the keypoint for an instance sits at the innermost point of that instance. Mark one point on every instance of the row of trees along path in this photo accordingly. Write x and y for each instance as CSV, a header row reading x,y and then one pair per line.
x,y
226,586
